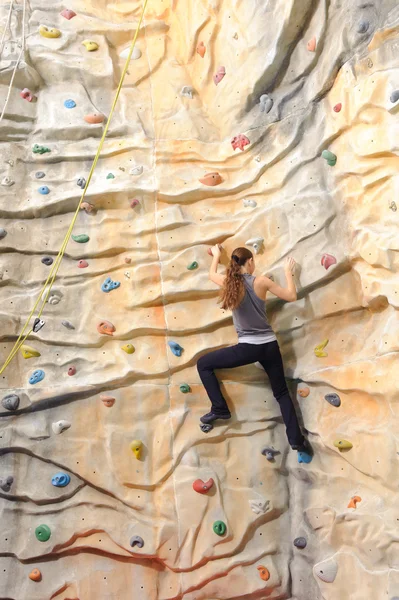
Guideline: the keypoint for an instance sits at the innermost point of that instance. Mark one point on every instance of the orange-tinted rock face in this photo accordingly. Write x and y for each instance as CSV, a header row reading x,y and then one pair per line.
x,y
148,490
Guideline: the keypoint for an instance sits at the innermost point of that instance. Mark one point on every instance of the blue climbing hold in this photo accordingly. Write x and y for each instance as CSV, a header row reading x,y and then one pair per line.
x,y
176,348
304,457
44,190
36,376
69,103
110,285
60,479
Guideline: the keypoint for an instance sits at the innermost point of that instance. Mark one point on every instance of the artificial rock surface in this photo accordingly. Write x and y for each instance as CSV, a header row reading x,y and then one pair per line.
x,y
304,208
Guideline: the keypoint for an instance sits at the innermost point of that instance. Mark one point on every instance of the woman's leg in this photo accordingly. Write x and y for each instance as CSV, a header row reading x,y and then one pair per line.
x,y
225,358
273,365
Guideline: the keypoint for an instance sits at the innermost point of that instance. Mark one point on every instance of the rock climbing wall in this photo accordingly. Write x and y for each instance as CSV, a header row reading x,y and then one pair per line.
x,y
272,123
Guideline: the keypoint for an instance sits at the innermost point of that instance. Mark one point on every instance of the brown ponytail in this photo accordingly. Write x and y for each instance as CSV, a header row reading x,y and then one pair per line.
x,y
233,288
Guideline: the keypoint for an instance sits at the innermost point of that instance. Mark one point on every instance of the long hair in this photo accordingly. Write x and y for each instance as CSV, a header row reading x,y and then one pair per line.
x,y
233,288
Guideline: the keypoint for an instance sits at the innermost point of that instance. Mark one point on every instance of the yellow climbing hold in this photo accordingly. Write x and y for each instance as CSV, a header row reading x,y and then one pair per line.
x,y
49,33
28,352
128,348
343,444
90,45
319,350
135,447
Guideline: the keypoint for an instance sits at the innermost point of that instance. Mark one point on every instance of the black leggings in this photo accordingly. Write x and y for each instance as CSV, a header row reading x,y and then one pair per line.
x,y
269,357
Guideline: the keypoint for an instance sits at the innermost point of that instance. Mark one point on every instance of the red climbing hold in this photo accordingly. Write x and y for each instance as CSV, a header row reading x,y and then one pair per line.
x,y
240,141
327,260
202,487
71,371
211,179
82,264
27,95
134,202
337,107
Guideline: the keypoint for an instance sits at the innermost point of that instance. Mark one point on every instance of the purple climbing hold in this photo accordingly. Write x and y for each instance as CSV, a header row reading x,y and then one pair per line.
x,y
333,399
40,174
270,452
300,542
394,96
136,540
6,483
363,26
47,260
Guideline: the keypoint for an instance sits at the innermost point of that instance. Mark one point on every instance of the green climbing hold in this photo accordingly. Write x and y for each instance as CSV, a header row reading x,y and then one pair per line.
x,y
40,149
192,266
110,176
219,527
185,388
81,239
43,533
330,157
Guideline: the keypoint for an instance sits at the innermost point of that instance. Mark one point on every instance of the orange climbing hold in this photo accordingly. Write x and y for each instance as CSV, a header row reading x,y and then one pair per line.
x,y
304,392
94,118
108,401
201,49
35,575
312,45
106,328
353,501
211,179
264,573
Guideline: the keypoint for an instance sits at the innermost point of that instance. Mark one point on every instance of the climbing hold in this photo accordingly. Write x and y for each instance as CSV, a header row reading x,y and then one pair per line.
x,y
134,202
251,203
330,157
185,388
106,328
35,575
26,94
49,32
311,45
47,260
187,91
327,260
136,54
326,570
300,542
82,264
220,73
256,244
192,266
394,96
219,527
68,13
10,402
90,45
43,533
337,107
128,260
60,479
206,427
38,324
333,399
81,182
136,540
266,103
343,445
110,285
55,298
36,149
108,401
211,179
136,170
110,176
69,103
40,174
240,141
94,118
202,487
319,350
304,457
363,26
235,36
87,207
28,352
353,501
67,324
128,348
6,483
60,426
259,506
36,376
393,206
176,348
304,392
3,233
136,446
7,181
201,49
81,238
263,572
44,190
72,371
270,452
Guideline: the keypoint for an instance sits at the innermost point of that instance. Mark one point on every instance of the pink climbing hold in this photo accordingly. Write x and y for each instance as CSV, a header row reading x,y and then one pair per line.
x,y
128,260
26,94
87,207
220,73
312,45
240,141
202,487
211,179
71,371
327,260
134,202
82,264
337,107
68,13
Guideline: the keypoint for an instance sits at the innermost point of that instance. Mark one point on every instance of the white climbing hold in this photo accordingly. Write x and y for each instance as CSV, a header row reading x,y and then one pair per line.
x,y
136,170
60,426
266,103
326,570
250,203
259,506
7,181
135,54
256,244
127,274
187,91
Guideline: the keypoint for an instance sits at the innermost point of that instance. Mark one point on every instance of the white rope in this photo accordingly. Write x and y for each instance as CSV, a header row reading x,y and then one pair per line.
x,y
16,64
6,27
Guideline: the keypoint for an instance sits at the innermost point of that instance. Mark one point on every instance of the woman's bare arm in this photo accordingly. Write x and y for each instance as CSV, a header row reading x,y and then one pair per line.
x,y
285,293
213,274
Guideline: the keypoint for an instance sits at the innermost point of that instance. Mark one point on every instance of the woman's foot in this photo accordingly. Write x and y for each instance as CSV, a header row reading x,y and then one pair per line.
x,y
304,447
211,416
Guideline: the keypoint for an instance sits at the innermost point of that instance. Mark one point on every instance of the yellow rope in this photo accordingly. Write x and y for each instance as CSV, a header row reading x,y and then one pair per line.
x,y
57,262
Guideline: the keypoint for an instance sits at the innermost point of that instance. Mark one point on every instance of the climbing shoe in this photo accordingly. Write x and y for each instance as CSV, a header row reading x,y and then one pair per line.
x,y
211,416
304,447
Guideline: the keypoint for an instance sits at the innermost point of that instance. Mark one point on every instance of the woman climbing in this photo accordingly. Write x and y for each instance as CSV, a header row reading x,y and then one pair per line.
x,y
245,295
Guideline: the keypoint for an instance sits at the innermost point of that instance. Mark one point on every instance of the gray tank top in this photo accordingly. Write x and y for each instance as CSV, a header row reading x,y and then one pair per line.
x,y
250,319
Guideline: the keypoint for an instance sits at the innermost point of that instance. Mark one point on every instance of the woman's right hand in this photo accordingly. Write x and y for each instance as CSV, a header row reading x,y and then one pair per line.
x,y
289,266
216,251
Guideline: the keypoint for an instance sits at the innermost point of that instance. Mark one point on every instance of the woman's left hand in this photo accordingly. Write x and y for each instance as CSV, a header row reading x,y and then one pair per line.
x,y
216,251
